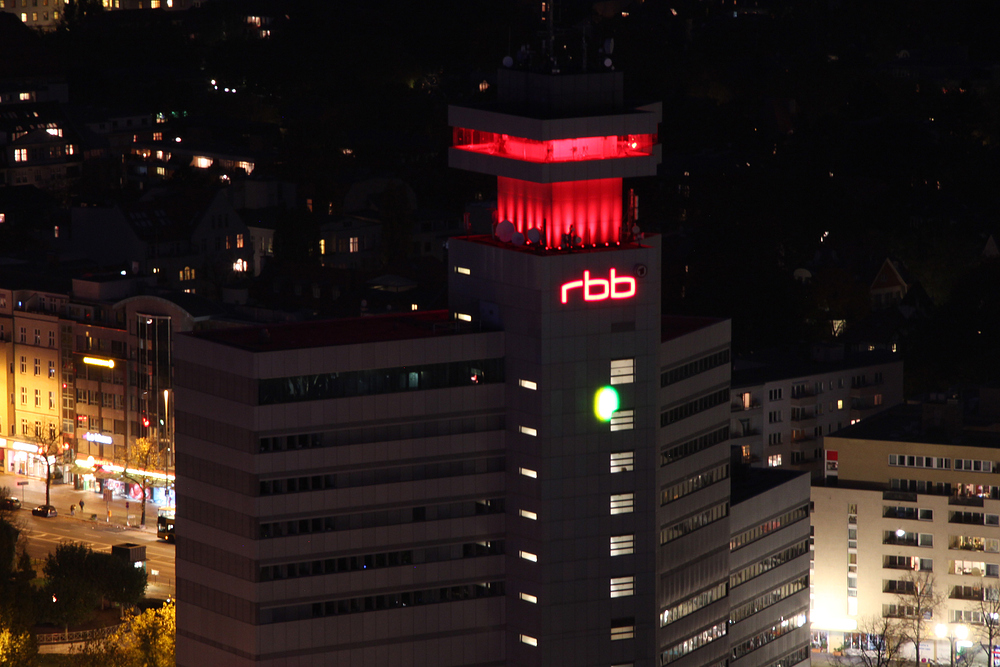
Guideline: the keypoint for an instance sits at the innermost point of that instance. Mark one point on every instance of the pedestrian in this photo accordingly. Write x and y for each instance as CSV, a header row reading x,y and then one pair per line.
x,y
72,510
81,506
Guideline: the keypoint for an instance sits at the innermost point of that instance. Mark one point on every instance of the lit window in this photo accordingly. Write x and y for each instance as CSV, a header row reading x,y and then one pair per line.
x,y
3,218
464,271
463,317
529,515
527,555
239,240
622,632
161,171
20,155
622,544
529,598
157,136
622,371
201,162
70,148
413,306
840,404
622,461
622,586
774,460
527,384
354,247
24,19
322,246
527,430
622,503
530,641
528,472
622,420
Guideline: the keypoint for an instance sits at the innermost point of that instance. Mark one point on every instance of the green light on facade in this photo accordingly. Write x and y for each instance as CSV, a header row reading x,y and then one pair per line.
x,y
606,403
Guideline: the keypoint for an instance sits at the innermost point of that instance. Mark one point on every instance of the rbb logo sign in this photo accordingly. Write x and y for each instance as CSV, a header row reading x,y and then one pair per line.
x,y
599,289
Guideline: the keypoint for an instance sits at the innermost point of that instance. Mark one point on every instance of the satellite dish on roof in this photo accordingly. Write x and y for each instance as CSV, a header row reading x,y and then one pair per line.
x,y
505,231
508,61
534,235
518,238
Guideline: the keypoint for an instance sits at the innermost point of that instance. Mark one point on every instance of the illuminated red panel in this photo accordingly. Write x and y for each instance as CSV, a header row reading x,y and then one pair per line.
x,y
592,209
556,150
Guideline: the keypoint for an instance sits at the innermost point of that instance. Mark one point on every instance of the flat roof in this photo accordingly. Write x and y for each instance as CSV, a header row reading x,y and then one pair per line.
x,y
749,482
348,331
776,364
904,423
538,249
675,326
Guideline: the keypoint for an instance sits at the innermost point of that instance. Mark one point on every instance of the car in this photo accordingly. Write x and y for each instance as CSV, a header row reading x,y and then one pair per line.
x,y
10,504
46,511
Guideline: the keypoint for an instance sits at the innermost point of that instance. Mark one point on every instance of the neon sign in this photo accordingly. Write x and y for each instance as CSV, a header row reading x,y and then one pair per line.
x,y
97,437
599,289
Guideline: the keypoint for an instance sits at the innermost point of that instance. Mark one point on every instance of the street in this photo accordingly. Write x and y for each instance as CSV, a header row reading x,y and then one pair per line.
x,y
44,535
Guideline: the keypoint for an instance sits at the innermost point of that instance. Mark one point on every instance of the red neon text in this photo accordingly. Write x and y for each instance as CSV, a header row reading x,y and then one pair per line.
x,y
599,289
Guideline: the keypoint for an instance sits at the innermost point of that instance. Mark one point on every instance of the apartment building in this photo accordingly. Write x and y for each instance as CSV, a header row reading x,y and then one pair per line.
x,y
911,491
785,402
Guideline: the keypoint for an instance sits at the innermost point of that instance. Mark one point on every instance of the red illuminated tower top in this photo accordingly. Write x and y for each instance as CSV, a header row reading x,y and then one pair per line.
x,y
559,145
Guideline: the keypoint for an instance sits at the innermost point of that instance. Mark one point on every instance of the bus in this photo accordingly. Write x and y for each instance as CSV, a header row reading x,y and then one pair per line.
x,y
165,523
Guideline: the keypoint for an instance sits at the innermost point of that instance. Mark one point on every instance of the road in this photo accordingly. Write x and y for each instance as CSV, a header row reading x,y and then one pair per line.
x,y
44,535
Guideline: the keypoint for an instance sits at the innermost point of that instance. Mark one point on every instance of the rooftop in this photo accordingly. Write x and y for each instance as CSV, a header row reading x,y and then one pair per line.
x,y
675,326
783,364
908,423
349,331
749,482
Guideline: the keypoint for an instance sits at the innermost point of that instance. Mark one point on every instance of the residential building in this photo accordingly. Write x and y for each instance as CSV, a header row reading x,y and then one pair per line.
x,y
910,492
785,402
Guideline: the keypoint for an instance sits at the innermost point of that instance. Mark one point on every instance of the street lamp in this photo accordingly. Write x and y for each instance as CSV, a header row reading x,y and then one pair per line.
x,y
959,632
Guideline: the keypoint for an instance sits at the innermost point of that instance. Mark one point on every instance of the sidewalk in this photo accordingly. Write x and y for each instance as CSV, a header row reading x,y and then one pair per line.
x,y
63,495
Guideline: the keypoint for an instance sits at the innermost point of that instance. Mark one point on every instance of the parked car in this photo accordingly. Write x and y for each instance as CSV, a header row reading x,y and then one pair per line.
x,y
10,503
46,511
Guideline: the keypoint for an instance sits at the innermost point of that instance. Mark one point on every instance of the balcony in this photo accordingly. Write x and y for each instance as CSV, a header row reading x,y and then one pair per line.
x,y
903,496
907,540
967,501
970,518
966,593
803,399
738,406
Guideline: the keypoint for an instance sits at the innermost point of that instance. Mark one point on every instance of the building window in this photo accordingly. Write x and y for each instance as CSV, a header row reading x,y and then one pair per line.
x,y
622,586
52,370
529,515
38,398
354,247
529,640
527,430
694,483
623,420
527,597
622,544
24,365
528,472
774,461
622,371
774,394
52,400
620,632
38,336
21,154
774,438
622,461
774,416
38,366
622,503
528,384
24,395
528,556
693,604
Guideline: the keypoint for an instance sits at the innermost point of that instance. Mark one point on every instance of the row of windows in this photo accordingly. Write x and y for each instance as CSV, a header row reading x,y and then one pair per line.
x,y
967,543
919,461
693,368
38,398
323,386
707,402
907,539
793,658
693,446
382,518
692,643
974,518
693,604
768,563
37,366
413,473
757,532
380,602
387,559
898,512
764,601
907,563
695,483
945,488
779,629
389,433
693,523
903,611
974,568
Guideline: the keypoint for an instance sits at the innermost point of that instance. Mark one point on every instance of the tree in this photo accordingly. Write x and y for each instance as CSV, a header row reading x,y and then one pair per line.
x,y
989,631
884,643
18,648
142,640
143,454
50,448
918,601
71,588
